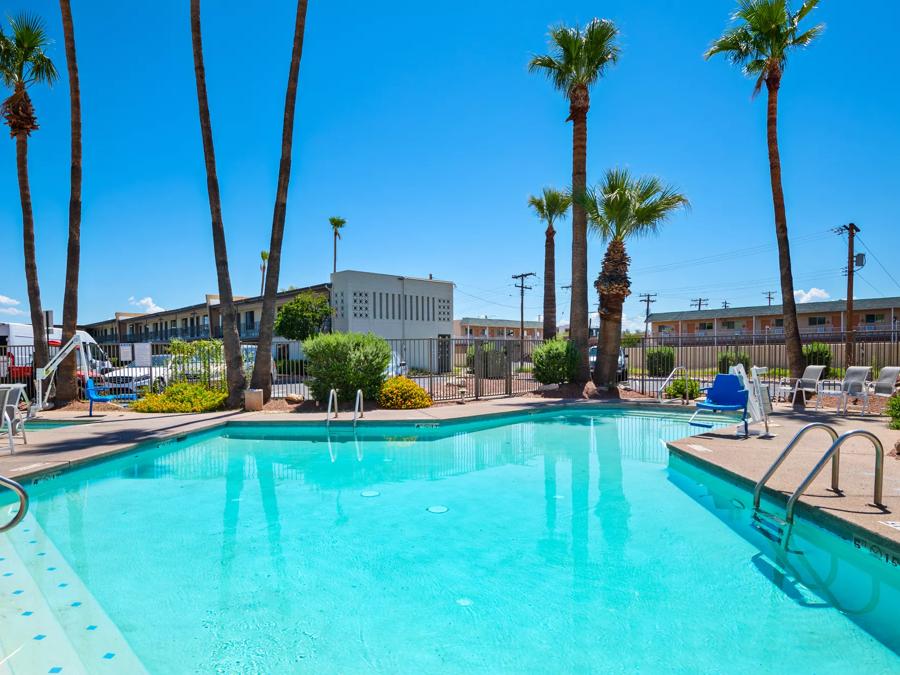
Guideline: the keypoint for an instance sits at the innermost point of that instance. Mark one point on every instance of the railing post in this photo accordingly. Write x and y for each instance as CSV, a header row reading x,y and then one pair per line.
x,y
509,368
478,367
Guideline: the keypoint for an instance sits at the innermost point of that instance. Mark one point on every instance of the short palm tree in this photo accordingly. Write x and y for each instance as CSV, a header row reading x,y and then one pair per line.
x,y
262,365
618,209
264,257
336,225
23,62
66,385
766,32
551,206
578,59
231,340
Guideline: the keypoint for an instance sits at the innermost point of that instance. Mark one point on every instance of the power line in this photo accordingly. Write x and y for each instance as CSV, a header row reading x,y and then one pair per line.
x,y
647,298
880,264
700,302
522,288
725,304
770,295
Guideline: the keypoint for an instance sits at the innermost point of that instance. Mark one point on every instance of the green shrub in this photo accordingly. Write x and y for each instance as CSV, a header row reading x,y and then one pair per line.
x,y
818,354
632,339
290,366
555,362
493,360
660,361
303,316
893,410
346,362
183,397
678,388
401,393
728,359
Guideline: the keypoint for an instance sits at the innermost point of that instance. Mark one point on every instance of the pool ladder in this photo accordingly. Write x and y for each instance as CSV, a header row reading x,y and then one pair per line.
x,y
358,411
23,503
778,529
662,387
332,398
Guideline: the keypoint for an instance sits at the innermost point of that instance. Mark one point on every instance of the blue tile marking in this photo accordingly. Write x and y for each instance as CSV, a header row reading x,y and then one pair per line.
x,y
42,553
18,592
51,569
91,627
27,613
75,604
33,541
108,655
63,585
7,574
39,637
55,669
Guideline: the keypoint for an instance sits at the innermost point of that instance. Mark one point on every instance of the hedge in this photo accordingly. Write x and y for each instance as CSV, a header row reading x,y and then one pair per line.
x,y
346,362
555,362
660,361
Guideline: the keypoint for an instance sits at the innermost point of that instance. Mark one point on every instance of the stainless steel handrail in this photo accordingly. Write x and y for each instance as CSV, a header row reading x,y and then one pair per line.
x,y
659,392
835,466
358,406
332,397
23,503
833,452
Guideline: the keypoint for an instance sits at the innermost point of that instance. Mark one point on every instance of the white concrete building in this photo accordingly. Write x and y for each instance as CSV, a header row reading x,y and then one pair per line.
x,y
391,306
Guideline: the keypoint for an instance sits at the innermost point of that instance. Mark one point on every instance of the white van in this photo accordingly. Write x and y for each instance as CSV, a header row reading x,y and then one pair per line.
x,y
17,352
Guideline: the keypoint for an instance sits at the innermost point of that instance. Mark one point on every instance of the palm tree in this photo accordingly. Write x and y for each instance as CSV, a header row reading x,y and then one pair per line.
x,y
66,386
264,256
23,63
766,32
618,209
231,340
336,225
551,206
578,59
262,367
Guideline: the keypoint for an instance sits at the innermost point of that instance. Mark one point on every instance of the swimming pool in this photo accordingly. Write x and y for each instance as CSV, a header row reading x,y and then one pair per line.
x,y
553,542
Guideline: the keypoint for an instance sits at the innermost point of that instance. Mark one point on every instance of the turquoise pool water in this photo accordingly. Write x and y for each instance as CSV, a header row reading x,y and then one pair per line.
x,y
42,424
563,542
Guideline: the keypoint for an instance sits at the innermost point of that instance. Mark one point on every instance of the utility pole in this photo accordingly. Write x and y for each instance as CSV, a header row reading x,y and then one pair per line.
x,y
647,298
522,288
850,337
725,304
700,302
770,295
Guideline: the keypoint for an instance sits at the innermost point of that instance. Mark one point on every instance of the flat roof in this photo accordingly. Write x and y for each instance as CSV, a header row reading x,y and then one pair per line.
x,y
776,310
392,276
498,323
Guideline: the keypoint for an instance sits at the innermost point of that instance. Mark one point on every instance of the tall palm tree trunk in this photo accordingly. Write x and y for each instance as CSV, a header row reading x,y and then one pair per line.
x,y
613,286
791,330
550,283
234,370
578,312
66,386
41,350
334,265
262,368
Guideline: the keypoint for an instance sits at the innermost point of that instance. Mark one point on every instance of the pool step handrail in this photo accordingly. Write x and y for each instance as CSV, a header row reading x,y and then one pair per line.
x,y
835,466
358,411
833,453
332,398
23,503
662,387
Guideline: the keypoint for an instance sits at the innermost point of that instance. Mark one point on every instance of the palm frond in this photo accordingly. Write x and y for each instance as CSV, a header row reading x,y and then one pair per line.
x,y
578,57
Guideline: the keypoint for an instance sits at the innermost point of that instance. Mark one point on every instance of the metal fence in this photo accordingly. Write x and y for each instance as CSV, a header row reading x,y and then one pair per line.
x,y
447,368
650,362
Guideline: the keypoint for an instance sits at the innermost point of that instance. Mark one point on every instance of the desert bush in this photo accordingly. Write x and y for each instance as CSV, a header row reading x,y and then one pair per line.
x,y
346,362
818,354
660,361
677,388
728,359
555,362
182,397
893,411
401,393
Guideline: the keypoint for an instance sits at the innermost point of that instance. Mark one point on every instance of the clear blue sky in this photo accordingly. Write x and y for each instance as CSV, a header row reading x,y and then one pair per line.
x,y
419,124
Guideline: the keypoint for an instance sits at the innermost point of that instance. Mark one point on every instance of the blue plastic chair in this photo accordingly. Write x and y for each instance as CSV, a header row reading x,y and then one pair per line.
x,y
93,394
725,395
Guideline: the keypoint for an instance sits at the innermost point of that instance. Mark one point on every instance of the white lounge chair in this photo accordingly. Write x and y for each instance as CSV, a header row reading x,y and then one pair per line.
x,y
886,384
810,383
11,421
854,385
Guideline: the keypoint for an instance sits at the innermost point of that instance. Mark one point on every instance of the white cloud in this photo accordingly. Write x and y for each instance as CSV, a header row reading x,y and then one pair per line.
x,y
146,304
8,306
631,323
6,300
812,295
12,311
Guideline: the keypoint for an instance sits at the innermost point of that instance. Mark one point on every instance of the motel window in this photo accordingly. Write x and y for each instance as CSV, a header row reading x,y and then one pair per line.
x,y
779,323
729,325
816,321
250,319
874,318
184,323
705,325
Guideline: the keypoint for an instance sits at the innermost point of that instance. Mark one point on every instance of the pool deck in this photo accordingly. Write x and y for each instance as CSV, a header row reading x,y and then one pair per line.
x,y
742,460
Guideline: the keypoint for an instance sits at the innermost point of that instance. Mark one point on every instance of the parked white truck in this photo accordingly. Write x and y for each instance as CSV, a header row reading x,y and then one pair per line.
x,y
17,352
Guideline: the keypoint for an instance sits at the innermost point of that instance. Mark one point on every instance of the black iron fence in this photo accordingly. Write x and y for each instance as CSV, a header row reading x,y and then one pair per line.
x,y
701,358
447,368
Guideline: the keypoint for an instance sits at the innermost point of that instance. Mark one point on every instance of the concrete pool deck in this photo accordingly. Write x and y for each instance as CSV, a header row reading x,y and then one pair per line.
x,y
742,460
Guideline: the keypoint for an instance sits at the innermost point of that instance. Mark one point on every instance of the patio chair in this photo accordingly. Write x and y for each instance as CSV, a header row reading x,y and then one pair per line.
x,y
725,395
810,382
854,385
94,395
886,384
11,421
